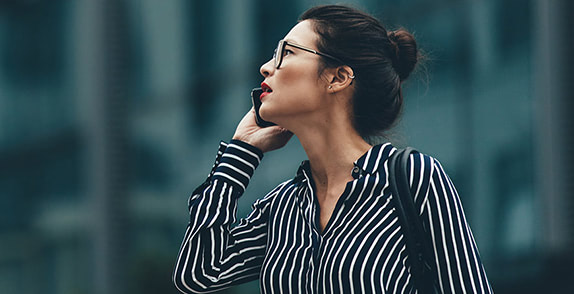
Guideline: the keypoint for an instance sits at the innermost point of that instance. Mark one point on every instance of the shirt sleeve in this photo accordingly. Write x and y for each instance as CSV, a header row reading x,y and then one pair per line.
x,y
457,260
213,255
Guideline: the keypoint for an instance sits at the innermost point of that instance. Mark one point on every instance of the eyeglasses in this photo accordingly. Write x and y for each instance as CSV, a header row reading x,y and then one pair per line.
x,y
280,52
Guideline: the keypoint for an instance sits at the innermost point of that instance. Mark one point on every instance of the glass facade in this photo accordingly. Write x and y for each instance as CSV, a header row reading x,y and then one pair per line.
x,y
111,113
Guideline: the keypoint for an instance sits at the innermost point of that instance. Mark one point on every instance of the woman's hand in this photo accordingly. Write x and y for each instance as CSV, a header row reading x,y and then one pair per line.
x,y
266,139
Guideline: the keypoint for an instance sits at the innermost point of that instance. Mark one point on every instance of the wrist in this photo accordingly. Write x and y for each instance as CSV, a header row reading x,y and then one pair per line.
x,y
237,164
248,145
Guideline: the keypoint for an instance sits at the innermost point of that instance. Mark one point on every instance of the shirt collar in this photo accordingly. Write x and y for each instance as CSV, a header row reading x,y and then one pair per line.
x,y
368,163
304,167
372,160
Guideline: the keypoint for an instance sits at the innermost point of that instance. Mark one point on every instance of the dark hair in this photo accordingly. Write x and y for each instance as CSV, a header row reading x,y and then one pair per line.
x,y
381,61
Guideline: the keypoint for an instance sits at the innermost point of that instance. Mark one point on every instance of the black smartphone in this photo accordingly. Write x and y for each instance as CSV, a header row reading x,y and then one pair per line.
x,y
255,93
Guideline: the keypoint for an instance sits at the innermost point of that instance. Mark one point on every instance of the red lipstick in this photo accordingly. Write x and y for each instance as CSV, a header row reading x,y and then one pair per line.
x,y
266,90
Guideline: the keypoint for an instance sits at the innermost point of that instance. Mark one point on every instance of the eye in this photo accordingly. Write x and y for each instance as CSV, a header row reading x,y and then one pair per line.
x,y
287,52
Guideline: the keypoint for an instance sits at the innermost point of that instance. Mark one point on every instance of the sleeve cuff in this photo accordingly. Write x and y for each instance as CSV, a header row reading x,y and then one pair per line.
x,y
238,163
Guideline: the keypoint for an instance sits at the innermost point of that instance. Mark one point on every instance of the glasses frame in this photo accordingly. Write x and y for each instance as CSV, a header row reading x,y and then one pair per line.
x,y
278,53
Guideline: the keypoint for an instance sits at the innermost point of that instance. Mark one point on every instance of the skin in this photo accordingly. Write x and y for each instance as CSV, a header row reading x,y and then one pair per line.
x,y
316,107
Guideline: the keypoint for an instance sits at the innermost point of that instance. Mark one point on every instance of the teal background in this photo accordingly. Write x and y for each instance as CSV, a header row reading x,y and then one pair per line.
x,y
111,113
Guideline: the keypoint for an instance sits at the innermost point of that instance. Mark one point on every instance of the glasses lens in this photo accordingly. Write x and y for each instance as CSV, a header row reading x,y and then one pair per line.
x,y
278,55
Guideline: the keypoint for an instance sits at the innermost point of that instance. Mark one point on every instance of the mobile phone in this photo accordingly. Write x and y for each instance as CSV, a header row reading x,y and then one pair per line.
x,y
255,93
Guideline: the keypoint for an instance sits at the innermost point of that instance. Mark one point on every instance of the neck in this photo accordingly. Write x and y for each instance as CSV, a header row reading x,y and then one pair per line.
x,y
332,148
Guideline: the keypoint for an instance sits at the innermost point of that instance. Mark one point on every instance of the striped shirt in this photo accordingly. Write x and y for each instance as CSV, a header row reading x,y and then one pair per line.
x,y
361,249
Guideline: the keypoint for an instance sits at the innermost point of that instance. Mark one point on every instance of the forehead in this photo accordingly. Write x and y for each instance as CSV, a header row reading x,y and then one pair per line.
x,y
303,34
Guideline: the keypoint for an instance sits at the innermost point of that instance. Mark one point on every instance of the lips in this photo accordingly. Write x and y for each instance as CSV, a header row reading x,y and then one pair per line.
x,y
266,90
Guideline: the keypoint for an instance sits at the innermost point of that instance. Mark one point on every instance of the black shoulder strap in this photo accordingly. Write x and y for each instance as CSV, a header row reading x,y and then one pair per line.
x,y
418,244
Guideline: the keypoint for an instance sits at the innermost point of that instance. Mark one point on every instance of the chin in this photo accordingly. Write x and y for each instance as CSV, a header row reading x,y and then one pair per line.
x,y
263,113
267,112
269,116
278,114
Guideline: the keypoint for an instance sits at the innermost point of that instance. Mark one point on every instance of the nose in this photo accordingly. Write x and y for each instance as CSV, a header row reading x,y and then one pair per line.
x,y
267,68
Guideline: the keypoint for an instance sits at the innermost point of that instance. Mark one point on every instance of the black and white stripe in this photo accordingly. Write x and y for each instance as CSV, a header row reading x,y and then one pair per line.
x,y
361,249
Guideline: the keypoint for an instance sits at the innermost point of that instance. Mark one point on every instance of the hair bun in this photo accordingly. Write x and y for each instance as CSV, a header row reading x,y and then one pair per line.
x,y
406,53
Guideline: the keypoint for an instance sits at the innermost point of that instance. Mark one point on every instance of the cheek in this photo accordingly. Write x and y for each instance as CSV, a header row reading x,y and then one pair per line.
x,y
296,91
301,86
292,102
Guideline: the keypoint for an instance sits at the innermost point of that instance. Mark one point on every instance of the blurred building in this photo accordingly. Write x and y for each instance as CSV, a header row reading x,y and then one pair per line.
x,y
111,112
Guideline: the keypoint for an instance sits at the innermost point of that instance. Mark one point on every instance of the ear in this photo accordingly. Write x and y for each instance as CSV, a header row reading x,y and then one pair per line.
x,y
340,78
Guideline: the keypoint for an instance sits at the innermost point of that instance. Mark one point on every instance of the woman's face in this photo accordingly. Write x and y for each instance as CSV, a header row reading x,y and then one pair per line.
x,y
297,91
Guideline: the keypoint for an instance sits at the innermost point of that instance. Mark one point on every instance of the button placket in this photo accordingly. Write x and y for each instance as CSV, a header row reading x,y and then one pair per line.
x,y
357,173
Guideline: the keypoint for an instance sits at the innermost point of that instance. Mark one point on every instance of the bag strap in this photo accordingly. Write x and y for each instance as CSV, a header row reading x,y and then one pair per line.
x,y
417,241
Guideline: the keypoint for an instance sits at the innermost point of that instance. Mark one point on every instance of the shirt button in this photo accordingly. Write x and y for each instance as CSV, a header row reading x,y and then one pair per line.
x,y
356,170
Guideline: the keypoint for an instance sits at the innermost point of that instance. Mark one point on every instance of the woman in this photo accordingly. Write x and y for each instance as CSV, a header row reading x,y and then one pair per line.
x,y
335,81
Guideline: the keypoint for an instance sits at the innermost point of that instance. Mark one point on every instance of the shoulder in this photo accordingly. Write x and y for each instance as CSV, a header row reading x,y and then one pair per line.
x,y
424,172
430,183
421,166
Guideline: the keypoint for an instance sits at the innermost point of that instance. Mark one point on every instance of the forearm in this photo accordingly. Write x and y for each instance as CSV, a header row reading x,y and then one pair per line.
x,y
210,257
